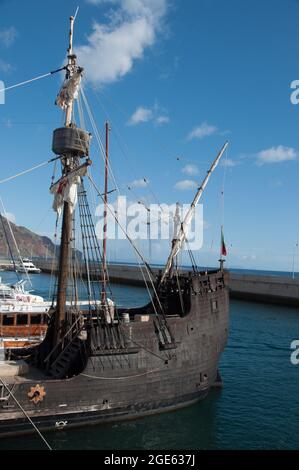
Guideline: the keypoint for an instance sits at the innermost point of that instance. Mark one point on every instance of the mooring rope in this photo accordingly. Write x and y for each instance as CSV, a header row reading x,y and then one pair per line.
x,y
26,414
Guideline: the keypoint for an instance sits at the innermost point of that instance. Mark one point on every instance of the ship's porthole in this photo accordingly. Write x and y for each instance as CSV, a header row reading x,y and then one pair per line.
x,y
203,378
189,329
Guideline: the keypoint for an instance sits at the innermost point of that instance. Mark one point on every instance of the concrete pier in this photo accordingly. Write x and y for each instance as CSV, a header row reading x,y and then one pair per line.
x,y
259,288
266,289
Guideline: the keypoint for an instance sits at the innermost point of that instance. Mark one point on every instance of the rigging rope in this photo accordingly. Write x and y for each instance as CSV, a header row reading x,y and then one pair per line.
x,y
15,243
222,195
149,270
98,137
31,80
53,278
118,139
9,247
5,180
122,229
125,115
147,288
223,186
80,111
180,292
122,144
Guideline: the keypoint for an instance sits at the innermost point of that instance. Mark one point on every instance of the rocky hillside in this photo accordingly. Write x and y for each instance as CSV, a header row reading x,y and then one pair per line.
x,y
30,244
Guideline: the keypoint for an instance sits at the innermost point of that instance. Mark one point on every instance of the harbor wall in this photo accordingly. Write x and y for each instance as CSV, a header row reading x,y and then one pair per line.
x,y
259,288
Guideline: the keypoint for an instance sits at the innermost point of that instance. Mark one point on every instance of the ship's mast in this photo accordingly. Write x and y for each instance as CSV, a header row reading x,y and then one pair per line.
x,y
70,68
180,238
66,230
105,214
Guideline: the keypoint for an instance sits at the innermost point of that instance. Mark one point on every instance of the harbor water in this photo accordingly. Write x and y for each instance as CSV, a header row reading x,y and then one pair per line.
x,y
257,408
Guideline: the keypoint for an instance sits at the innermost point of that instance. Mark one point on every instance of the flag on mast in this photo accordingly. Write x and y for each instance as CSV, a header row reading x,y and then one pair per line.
x,y
223,247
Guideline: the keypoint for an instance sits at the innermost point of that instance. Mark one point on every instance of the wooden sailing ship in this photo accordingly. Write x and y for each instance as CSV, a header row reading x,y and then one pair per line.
x,y
108,363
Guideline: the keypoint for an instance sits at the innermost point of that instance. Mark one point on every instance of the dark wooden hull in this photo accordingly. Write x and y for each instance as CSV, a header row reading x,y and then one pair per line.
x,y
140,380
22,426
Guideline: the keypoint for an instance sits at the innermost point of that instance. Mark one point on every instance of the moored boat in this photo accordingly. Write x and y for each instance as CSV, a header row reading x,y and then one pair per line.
x,y
28,267
104,363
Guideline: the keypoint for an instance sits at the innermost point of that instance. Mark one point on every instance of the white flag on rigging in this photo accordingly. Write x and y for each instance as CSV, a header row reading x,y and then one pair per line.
x,y
69,91
65,189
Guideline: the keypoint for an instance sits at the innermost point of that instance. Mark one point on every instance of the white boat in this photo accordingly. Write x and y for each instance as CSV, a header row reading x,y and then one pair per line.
x,y
24,316
14,298
27,266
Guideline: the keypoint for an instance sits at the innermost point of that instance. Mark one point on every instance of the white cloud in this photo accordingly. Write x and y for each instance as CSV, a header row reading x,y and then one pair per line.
x,y
228,162
8,36
185,185
141,114
276,155
97,2
162,120
190,169
141,183
201,131
136,7
4,66
113,48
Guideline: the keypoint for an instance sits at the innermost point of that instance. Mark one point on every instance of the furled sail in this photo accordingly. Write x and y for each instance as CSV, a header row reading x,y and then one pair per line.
x,y
65,189
177,222
69,90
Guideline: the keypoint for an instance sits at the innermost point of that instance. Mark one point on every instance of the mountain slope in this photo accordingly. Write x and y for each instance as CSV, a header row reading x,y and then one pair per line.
x,y
30,244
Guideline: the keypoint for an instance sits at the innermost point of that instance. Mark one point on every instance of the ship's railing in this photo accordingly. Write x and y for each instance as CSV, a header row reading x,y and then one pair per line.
x,y
210,282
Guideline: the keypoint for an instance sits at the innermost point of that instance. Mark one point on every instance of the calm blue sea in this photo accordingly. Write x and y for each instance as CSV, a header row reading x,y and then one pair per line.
x,y
258,407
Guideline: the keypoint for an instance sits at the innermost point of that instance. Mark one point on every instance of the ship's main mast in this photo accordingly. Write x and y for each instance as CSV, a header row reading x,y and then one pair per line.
x,y
66,231
71,143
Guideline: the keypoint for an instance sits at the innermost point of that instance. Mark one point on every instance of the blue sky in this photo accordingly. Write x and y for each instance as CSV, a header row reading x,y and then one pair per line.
x,y
177,78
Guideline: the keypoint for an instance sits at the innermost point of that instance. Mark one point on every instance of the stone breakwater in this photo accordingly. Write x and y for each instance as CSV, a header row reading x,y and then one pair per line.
x,y
259,288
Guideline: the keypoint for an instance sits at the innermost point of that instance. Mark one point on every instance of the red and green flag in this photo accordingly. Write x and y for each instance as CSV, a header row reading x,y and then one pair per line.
x,y
223,247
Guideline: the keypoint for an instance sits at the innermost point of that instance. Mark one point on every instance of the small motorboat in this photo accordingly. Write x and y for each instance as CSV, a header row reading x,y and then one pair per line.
x,y
27,266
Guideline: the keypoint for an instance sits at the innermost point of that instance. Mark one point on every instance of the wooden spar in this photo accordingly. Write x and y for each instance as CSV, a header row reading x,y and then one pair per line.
x,y
66,229
177,244
105,214
71,63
